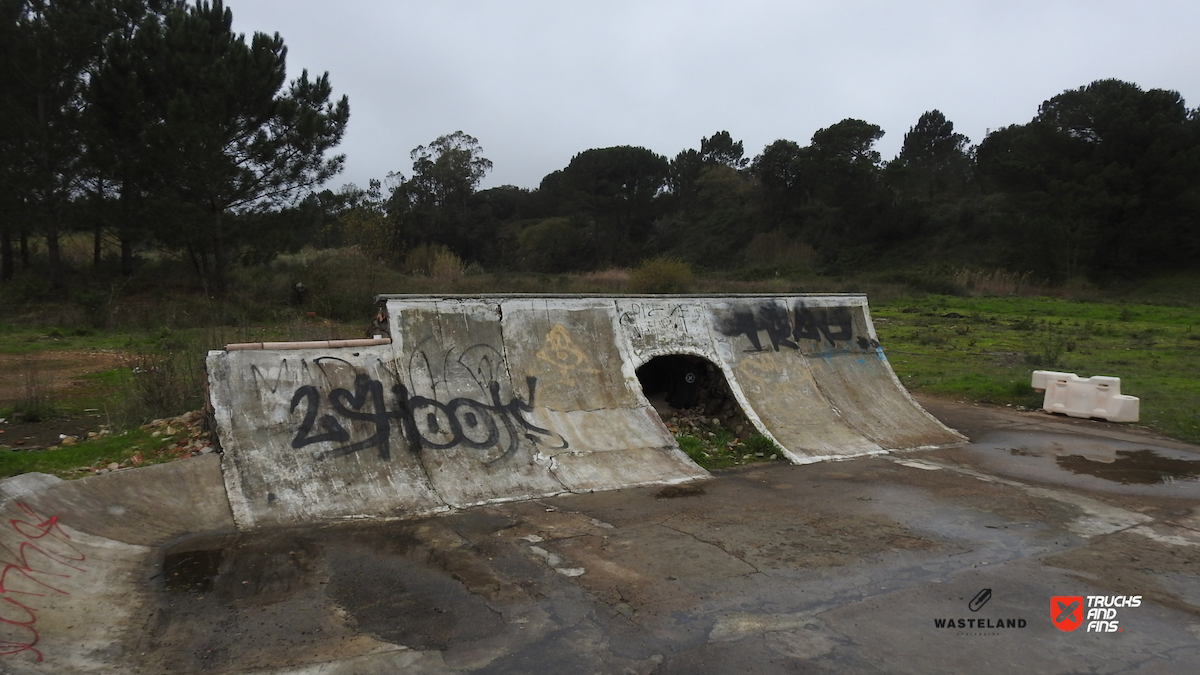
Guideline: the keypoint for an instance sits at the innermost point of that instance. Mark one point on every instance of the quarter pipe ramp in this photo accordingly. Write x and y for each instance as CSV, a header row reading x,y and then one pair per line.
x,y
469,400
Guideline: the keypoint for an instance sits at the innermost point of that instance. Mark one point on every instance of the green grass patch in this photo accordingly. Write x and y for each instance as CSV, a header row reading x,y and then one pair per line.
x,y
15,339
719,449
77,461
985,349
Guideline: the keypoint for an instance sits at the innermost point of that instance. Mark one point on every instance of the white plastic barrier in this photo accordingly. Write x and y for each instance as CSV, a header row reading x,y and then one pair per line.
x,y
1096,396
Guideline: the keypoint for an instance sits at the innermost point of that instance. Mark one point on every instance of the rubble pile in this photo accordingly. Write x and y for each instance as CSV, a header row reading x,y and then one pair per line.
x,y
188,432
174,437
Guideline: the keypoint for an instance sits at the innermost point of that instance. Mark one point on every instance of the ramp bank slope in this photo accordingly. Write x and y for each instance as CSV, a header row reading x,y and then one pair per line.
x,y
485,399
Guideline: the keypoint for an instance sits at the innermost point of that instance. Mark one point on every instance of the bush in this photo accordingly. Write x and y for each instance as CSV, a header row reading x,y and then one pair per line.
x,y
167,380
551,245
661,274
435,261
775,251
335,283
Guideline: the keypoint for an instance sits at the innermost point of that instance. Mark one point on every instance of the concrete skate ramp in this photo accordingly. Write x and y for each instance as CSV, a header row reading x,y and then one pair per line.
x,y
75,557
469,400
142,570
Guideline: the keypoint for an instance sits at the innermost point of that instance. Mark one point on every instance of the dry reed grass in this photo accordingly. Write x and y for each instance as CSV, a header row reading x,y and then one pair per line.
x,y
999,282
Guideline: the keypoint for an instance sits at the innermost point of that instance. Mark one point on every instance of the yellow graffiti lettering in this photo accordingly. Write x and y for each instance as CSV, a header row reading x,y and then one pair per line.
x,y
561,352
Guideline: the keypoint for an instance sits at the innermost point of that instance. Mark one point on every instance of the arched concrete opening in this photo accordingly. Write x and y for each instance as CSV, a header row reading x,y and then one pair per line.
x,y
674,380
693,398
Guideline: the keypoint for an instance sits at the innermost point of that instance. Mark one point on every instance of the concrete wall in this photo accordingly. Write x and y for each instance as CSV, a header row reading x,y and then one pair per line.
x,y
511,397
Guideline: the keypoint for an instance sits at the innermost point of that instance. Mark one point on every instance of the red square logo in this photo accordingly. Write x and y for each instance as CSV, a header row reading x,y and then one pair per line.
x,y
1066,612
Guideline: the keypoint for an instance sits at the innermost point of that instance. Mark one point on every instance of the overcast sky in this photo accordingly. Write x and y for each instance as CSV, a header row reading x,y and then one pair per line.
x,y
537,81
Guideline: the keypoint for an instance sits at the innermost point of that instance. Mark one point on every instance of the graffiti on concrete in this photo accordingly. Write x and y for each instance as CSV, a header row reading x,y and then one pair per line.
x,y
641,320
769,317
564,356
43,549
786,329
454,400
425,422
289,371
834,324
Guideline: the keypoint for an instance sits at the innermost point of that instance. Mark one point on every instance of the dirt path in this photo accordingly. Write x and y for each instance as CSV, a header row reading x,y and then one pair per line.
x,y
48,372
52,376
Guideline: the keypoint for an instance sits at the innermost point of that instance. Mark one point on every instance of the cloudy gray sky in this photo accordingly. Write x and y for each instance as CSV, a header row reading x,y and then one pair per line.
x,y
537,81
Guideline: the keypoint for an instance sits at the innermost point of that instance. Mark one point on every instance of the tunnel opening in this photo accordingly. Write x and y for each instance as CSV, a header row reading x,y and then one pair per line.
x,y
696,404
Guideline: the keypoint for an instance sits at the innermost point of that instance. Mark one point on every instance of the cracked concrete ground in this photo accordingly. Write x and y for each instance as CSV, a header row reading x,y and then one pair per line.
x,y
830,567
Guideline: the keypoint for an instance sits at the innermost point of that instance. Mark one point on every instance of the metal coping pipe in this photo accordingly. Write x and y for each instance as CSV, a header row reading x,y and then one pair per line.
x,y
315,344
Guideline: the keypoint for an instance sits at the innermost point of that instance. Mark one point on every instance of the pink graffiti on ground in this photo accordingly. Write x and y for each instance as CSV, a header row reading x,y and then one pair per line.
x,y
44,538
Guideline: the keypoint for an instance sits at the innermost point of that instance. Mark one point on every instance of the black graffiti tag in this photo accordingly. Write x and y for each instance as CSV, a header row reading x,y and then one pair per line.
x,y
819,324
425,422
768,317
831,323
333,429
365,390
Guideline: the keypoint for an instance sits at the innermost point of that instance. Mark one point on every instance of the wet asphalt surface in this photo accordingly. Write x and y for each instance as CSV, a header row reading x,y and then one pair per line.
x,y
831,567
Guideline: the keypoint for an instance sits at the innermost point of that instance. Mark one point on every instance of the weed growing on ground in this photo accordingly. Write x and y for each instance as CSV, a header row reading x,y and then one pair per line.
x,y
1049,347
36,405
692,447
720,449
167,380
762,446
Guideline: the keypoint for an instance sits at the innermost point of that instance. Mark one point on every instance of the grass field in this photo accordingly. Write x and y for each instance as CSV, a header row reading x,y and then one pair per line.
x,y
985,349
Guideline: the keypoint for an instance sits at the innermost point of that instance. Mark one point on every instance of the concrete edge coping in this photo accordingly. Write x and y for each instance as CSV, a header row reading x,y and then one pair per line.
x,y
315,344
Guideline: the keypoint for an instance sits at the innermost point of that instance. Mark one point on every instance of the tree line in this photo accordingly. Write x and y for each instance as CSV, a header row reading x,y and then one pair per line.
x,y
153,124
1103,183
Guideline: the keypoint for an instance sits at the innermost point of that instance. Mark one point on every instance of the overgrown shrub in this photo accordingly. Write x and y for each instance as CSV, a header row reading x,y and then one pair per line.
x,y
661,274
775,250
333,283
167,379
435,261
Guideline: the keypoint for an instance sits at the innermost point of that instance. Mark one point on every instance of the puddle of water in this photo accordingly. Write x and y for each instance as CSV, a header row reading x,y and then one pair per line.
x,y
191,571
1142,467
254,570
1089,462
676,491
